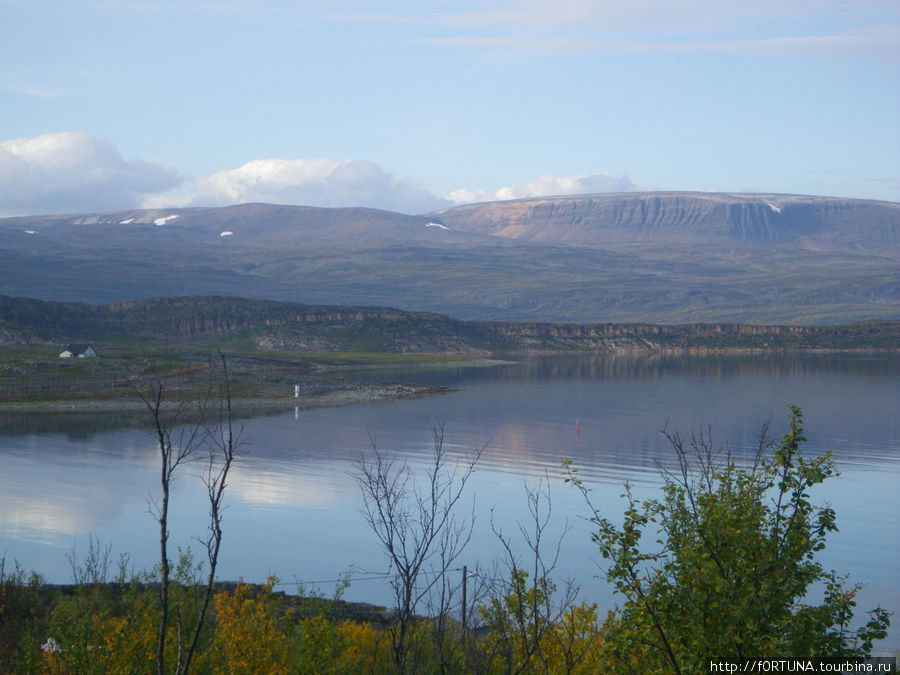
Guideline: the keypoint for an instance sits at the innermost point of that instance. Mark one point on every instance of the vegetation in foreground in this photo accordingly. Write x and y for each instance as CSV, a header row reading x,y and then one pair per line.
x,y
732,574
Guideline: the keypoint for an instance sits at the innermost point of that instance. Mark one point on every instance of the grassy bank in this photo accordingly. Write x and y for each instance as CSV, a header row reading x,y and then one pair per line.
x,y
34,378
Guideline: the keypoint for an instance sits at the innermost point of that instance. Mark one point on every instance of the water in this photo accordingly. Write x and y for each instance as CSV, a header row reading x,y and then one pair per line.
x,y
294,506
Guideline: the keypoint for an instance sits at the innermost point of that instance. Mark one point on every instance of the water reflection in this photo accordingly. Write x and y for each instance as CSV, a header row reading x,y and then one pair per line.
x,y
655,366
81,426
294,505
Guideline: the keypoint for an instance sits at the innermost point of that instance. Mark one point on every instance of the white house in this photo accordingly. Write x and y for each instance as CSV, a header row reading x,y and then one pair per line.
x,y
79,351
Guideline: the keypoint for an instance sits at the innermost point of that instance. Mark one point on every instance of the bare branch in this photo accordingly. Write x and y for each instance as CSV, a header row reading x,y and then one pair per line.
x,y
416,527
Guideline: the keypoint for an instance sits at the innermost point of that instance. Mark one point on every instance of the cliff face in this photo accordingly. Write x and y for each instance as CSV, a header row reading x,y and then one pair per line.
x,y
289,326
186,317
815,223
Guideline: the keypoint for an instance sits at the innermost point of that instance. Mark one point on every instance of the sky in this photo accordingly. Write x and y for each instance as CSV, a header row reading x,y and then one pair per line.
x,y
417,106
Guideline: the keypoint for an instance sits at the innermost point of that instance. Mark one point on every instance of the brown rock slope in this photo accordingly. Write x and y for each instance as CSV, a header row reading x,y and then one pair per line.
x,y
812,223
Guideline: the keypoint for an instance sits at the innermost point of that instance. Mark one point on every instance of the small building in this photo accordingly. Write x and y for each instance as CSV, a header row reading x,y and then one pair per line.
x,y
78,351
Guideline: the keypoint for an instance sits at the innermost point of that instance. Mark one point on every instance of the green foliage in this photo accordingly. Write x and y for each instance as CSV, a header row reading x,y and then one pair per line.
x,y
22,618
316,603
524,636
518,620
111,627
734,568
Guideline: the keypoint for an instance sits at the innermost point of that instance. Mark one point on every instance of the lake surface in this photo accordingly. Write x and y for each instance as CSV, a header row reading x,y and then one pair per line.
x,y
294,506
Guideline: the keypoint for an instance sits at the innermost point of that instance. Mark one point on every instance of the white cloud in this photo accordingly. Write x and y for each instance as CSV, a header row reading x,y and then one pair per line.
x,y
313,182
70,172
322,182
546,185
75,172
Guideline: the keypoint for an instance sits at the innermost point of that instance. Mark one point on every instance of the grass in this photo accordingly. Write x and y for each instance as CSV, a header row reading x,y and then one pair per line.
x,y
36,373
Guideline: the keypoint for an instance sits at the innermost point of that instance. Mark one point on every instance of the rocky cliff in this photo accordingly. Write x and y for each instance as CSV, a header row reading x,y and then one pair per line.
x,y
814,223
293,327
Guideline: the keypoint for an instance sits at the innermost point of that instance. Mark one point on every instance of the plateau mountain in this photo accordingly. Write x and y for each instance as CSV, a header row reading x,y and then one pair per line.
x,y
650,257
810,223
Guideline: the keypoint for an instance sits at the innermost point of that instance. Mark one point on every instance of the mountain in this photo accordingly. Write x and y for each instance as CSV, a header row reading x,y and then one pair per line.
x,y
811,223
636,257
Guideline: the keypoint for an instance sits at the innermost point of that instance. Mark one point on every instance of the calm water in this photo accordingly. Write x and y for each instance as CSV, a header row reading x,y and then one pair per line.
x,y
294,505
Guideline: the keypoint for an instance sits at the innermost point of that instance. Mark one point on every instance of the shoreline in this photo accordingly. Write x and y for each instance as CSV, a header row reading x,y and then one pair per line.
x,y
326,395
327,399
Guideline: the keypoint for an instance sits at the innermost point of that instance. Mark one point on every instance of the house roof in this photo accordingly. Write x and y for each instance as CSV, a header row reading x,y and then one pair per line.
x,y
78,348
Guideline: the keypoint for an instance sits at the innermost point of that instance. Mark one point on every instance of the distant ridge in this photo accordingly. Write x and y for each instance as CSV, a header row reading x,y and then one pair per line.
x,y
666,258
649,217
266,325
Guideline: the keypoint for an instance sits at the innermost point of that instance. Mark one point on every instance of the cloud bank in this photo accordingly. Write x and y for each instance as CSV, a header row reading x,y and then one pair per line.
x,y
315,182
322,182
77,172
546,185
71,172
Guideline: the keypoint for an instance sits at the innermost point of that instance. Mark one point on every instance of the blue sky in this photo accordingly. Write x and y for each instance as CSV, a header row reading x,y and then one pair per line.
x,y
417,105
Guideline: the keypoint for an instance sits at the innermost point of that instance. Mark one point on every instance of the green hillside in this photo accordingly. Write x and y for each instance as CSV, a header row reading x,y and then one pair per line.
x,y
268,326
668,258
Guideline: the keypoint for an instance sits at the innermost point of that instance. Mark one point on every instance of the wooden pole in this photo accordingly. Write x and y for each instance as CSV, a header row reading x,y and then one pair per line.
x,y
465,576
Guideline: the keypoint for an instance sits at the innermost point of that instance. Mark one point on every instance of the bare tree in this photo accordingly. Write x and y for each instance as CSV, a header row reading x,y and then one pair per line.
x,y
94,569
416,526
526,603
182,431
222,444
176,444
